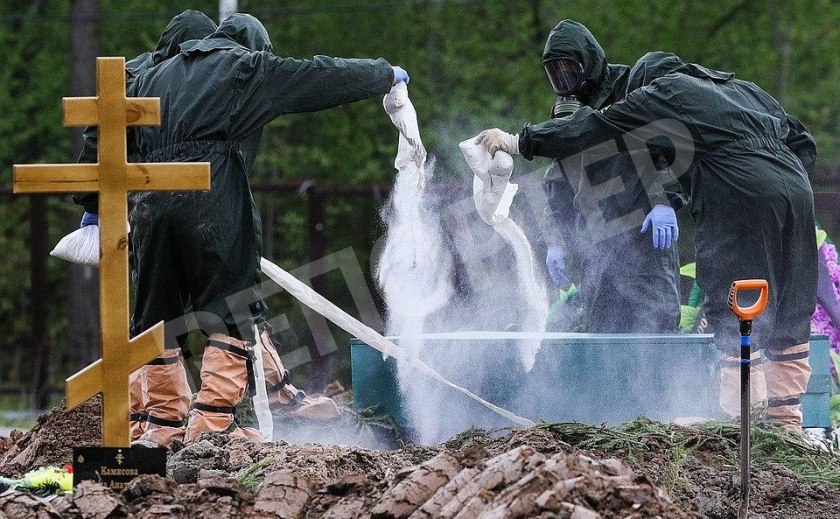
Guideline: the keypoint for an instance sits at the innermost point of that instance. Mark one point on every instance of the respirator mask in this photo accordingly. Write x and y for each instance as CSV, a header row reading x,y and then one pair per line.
x,y
566,78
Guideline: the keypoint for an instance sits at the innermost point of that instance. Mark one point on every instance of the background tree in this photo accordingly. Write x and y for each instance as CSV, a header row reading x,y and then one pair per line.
x,y
474,64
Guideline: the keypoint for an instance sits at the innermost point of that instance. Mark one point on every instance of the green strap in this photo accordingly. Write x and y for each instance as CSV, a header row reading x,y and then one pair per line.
x,y
695,297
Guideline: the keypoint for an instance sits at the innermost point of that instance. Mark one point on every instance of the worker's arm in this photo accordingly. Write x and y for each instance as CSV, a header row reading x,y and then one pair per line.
x,y
802,143
90,201
293,85
559,215
649,121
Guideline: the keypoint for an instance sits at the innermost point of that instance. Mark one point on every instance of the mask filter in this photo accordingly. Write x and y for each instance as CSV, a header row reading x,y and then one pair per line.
x,y
565,105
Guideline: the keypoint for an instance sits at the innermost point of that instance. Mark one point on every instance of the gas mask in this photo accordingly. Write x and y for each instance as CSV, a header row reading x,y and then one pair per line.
x,y
565,105
567,81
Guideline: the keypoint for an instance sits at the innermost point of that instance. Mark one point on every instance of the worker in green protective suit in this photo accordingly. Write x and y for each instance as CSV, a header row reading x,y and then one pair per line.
x,y
202,248
629,281
744,163
189,25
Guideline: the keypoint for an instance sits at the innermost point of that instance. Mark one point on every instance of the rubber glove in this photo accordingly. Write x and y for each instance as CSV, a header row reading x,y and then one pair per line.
x,y
400,75
89,219
495,140
555,260
663,223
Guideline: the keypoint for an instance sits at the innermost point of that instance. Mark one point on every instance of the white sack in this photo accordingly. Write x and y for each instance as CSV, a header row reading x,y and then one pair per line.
x,y
493,194
80,246
413,269
492,191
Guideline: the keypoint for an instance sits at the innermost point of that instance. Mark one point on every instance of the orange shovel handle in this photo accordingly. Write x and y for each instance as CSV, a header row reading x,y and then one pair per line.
x,y
751,312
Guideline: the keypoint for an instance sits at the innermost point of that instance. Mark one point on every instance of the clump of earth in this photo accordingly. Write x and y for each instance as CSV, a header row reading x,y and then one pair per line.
x,y
541,472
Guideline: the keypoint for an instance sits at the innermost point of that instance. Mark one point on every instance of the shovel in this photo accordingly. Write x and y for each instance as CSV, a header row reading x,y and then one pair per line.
x,y
745,318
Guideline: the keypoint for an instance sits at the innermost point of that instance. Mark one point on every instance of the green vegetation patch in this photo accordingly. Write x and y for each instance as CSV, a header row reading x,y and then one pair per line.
x,y
641,438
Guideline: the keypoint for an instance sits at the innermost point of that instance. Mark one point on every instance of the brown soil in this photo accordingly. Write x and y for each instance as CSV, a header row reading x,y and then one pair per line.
x,y
525,473
52,439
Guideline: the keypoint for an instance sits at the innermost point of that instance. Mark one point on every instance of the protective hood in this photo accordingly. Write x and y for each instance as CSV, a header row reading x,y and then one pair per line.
x,y
189,25
655,65
570,39
238,29
134,67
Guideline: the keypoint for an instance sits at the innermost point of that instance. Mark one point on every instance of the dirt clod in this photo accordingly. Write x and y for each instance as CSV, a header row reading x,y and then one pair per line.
x,y
21,505
285,494
52,439
565,471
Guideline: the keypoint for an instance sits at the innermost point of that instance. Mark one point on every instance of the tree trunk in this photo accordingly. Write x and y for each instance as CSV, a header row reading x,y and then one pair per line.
x,y
781,43
39,308
317,251
83,341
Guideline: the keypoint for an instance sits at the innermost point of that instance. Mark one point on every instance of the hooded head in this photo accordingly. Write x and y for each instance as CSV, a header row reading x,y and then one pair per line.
x,y
245,30
572,42
655,65
189,25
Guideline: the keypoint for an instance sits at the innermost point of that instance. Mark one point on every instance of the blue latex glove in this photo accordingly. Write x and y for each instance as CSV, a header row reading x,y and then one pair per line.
x,y
663,223
400,75
89,219
555,260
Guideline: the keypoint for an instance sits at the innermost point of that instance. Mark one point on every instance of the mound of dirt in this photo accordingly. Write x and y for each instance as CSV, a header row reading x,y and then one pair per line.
x,y
641,469
339,482
220,456
52,439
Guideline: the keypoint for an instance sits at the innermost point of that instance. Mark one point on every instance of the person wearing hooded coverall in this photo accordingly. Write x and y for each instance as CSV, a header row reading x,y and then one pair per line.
x,y
746,166
203,248
629,280
167,369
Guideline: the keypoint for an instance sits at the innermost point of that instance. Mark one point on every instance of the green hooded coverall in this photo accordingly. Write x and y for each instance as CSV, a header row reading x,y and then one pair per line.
x,y
203,248
746,168
627,286
151,385
189,25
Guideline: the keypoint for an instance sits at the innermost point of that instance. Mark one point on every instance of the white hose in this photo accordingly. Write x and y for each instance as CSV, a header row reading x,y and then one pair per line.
x,y
353,326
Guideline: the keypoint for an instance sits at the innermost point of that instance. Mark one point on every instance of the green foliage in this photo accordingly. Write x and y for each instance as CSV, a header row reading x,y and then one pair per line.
x,y
641,437
254,474
474,64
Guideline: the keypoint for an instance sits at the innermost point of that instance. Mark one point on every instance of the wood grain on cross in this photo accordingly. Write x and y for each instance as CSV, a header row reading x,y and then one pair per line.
x,y
113,178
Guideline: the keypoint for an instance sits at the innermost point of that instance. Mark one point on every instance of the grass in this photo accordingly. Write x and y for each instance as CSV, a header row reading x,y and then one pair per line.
x,y
252,476
770,446
23,424
673,478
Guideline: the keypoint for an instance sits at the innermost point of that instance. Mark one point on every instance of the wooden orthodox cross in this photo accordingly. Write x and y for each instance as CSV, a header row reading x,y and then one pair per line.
x,y
113,178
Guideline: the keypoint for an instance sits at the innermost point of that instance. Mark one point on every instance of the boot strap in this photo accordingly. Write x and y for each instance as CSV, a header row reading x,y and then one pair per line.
x,y
225,409
165,423
138,417
276,388
295,402
785,357
779,402
246,354
164,361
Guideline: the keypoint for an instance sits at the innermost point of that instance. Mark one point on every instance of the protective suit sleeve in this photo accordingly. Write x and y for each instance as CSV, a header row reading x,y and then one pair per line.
x,y
563,137
90,201
646,108
559,215
293,85
665,189
802,144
